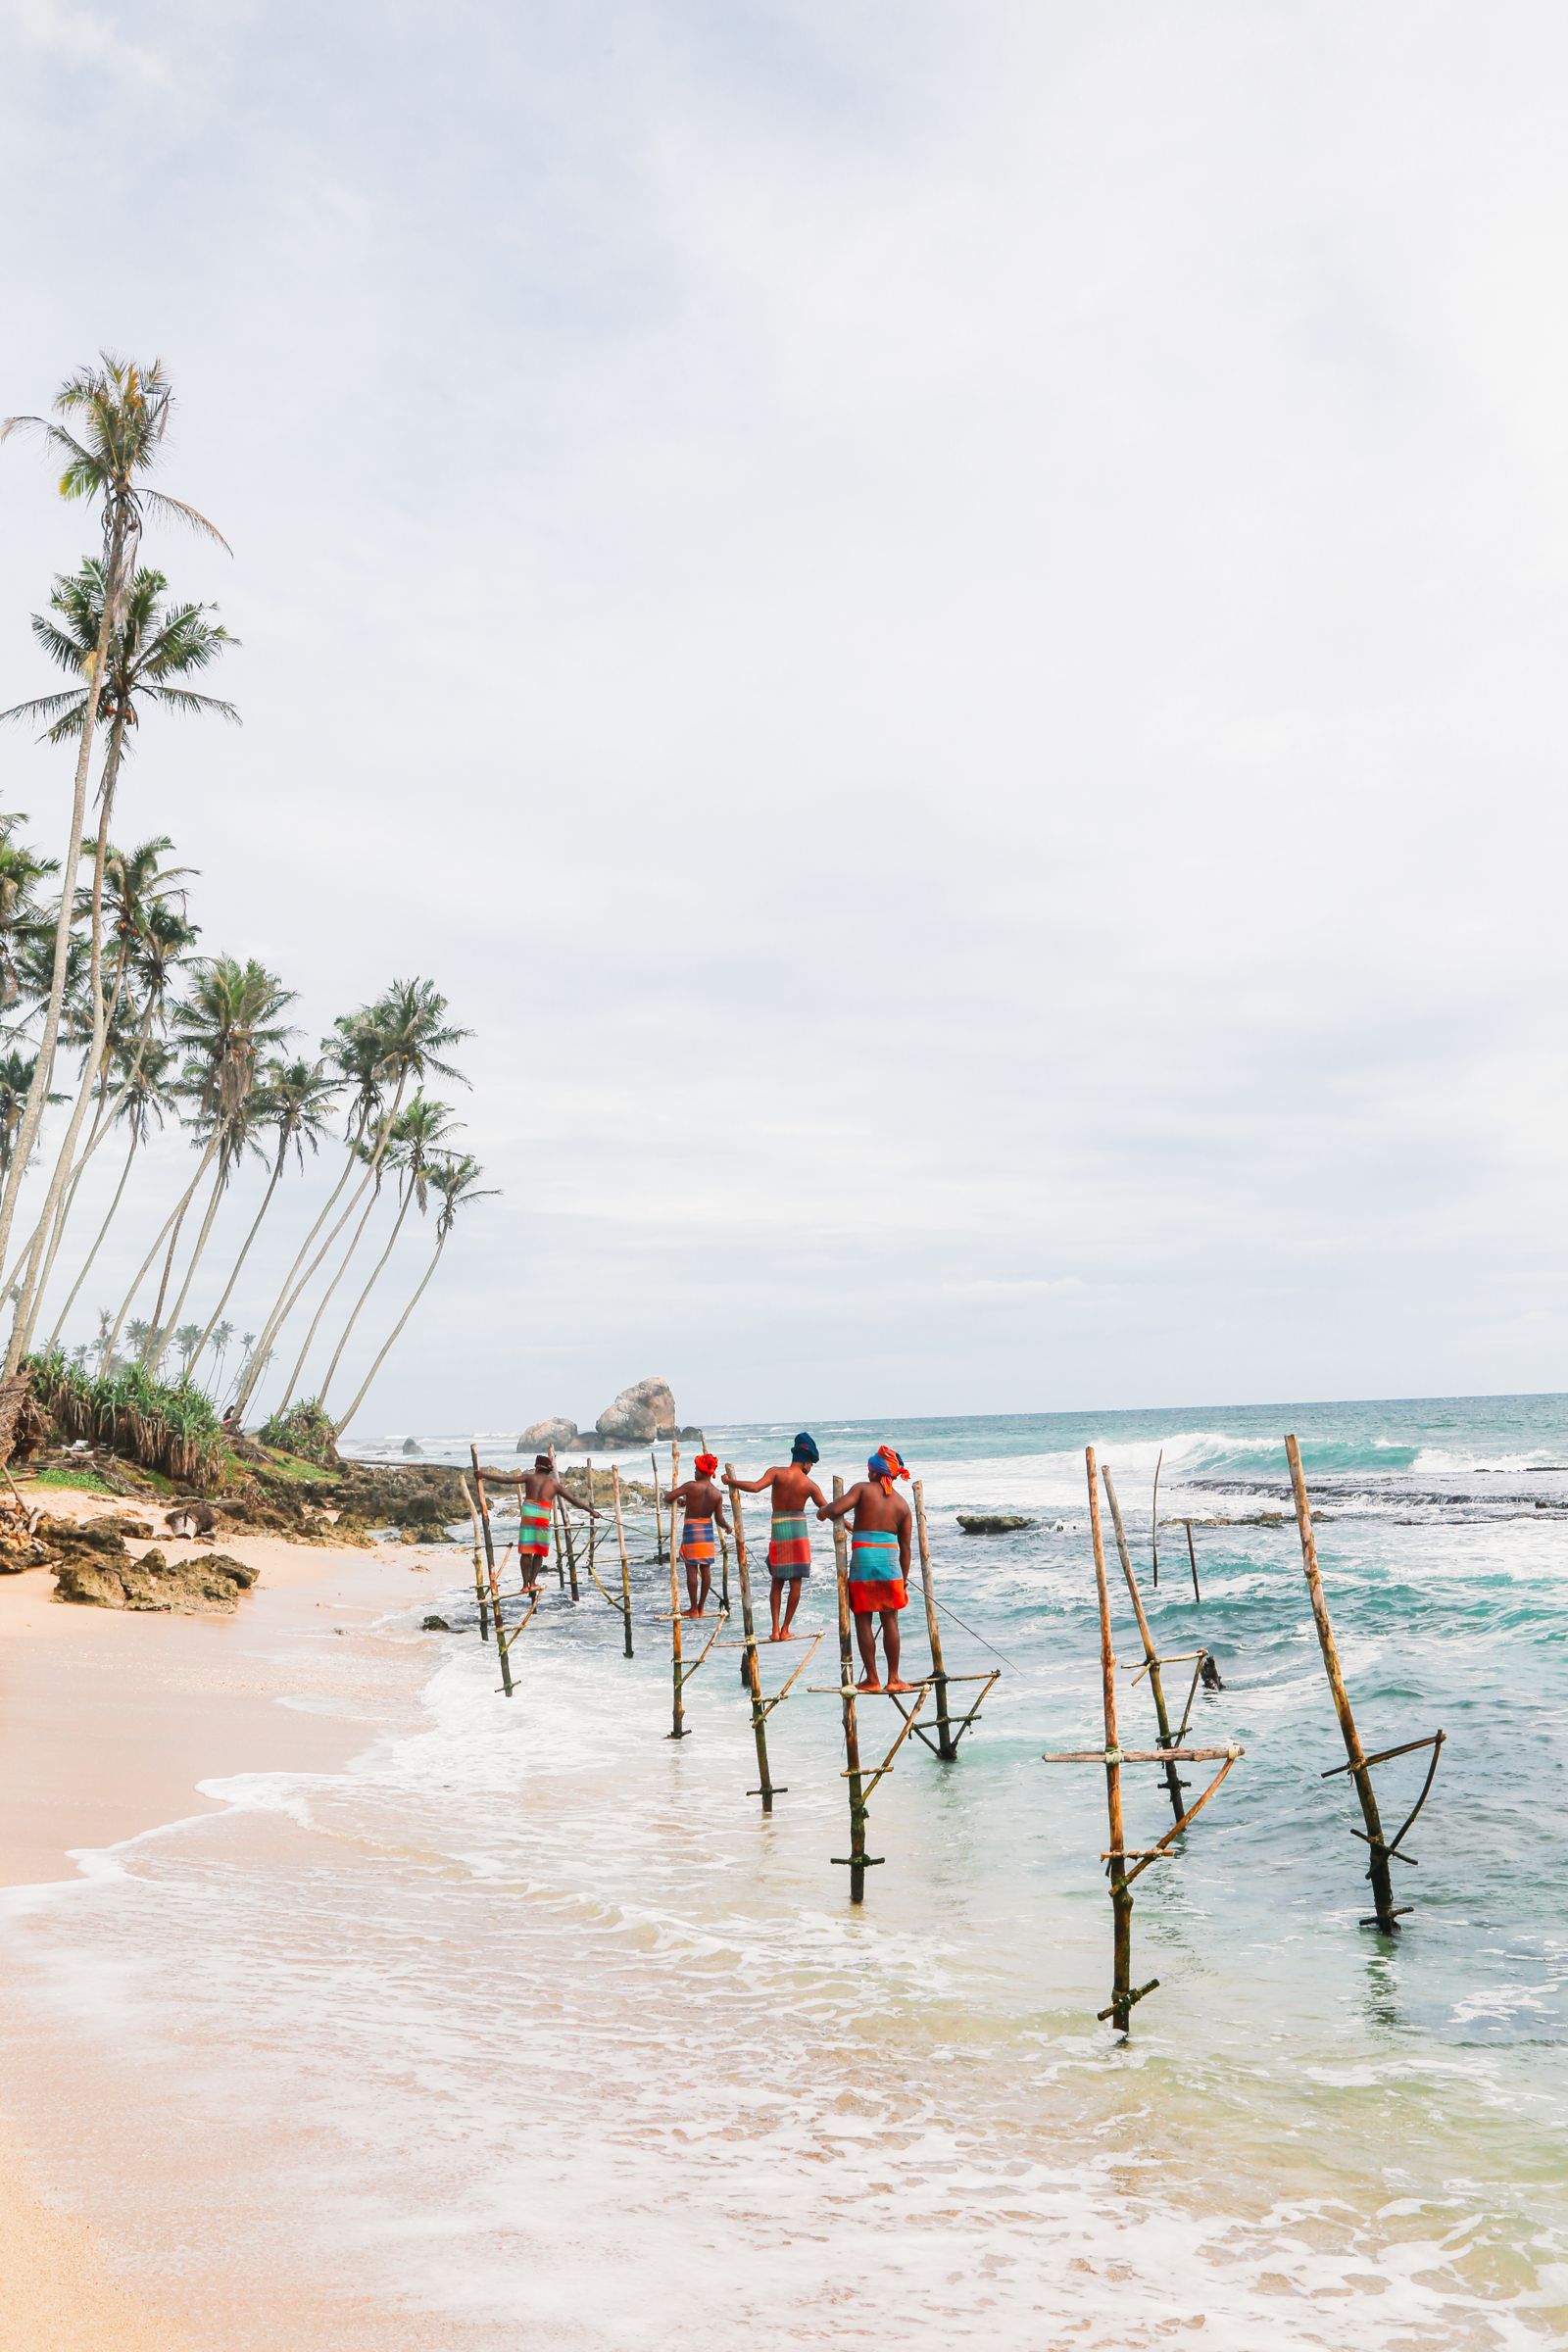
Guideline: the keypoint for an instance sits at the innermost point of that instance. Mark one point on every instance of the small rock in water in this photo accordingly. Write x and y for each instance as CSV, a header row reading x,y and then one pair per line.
x,y
411,1446
1211,1673
435,1625
992,1523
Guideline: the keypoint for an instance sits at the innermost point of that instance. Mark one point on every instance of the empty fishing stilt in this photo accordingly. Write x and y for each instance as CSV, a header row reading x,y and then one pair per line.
x,y
480,1599
1386,1914
1151,1662
947,1732
658,1508
490,1569
1124,1994
1191,1558
625,1565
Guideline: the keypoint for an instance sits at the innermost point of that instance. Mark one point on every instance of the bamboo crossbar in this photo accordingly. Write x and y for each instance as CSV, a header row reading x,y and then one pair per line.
x,y
1386,1755
869,1780
769,1704
1141,1756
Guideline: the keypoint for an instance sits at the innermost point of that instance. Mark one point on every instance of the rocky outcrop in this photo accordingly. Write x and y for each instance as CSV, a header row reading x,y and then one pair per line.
x,y
435,1625
992,1523
411,1446
100,1578
639,1415
540,1436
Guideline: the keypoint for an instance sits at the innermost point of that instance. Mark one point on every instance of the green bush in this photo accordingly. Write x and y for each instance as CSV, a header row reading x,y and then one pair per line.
x,y
305,1430
172,1430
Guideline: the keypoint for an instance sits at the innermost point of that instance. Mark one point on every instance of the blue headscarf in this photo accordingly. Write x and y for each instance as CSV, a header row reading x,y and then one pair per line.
x,y
803,1448
885,1466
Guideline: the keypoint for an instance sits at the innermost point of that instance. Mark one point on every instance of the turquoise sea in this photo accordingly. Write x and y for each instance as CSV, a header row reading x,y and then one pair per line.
x,y
582,2051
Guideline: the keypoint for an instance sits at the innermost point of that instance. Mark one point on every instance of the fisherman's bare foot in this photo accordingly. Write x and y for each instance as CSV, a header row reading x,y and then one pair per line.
x,y
895,1683
868,1682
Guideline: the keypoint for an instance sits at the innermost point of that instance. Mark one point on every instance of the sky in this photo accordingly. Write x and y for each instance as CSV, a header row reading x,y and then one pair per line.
x,y
942,624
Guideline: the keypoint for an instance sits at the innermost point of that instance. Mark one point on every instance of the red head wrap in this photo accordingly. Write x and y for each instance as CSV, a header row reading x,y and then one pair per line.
x,y
706,1465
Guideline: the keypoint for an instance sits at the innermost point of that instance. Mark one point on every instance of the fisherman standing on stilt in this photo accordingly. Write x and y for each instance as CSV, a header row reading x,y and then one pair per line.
x,y
878,1545
703,1502
536,1509
789,1550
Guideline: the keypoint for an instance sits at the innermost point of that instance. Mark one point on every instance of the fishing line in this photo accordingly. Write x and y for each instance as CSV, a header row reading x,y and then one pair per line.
x,y
980,1638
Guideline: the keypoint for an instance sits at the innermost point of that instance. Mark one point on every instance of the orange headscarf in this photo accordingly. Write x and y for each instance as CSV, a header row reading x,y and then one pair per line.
x,y
885,1466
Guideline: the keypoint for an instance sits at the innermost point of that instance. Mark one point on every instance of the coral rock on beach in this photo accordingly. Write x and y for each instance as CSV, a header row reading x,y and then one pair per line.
x,y
644,1411
99,1578
540,1436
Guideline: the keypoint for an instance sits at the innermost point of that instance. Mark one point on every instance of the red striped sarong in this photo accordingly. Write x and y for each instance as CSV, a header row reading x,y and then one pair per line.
x,y
874,1550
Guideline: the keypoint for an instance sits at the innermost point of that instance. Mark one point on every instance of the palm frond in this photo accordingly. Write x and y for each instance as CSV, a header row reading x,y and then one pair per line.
x,y
160,503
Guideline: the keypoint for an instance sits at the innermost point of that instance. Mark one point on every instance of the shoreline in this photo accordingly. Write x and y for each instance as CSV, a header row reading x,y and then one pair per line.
x,y
108,1720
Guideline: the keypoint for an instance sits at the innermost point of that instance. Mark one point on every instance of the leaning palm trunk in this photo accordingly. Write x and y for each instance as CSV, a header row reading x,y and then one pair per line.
x,y
238,1266
392,1338
159,1344
288,1297
98,1242
33,1112
348,1328
171,1223
355,1240
41,1262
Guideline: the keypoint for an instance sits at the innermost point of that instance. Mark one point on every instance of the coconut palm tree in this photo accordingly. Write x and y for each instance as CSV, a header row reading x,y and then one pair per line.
x,y
144,1100
400,1040
418,1132
230,1018
457,1182
23,920
107,426
152,941
17,1071
293,1099
153,649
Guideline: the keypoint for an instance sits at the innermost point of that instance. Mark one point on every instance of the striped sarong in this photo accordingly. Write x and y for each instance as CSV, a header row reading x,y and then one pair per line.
x,y
697,1546
874,1552
789,1550
533,1529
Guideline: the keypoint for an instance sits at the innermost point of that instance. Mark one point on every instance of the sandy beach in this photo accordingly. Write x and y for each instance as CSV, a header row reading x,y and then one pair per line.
x,y
108,1721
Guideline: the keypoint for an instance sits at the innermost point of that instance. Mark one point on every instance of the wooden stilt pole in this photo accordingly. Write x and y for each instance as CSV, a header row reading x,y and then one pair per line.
x,y
946,1746
1384,1915
478,1576
571,1549
678,1726
1191,1558
555,1529
750,1665
1173,1778
593,1524
1121,1900
1154,1522
658,1508
675,1482
723,1553
857,1856
490,1570
626,1566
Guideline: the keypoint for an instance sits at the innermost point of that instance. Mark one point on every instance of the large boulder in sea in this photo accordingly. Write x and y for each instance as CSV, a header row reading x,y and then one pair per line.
x,y
644,1411
540,1436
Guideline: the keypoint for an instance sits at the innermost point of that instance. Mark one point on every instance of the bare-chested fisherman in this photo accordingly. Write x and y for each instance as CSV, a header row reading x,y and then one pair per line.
x,y
536,1507
789,1550
879,1543
703,1502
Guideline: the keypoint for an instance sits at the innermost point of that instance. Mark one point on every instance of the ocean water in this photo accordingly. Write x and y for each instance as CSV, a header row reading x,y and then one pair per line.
x,y
527,2020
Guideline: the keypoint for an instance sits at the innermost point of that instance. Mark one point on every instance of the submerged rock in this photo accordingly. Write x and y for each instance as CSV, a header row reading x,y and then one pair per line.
x,y
992,1523
644,1411
435,1625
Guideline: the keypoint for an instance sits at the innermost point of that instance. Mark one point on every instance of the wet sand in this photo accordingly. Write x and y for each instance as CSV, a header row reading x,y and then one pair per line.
x,y
108,1721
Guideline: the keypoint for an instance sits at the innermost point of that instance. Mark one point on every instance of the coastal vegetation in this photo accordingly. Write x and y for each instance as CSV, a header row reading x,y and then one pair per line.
x,y
119,1025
